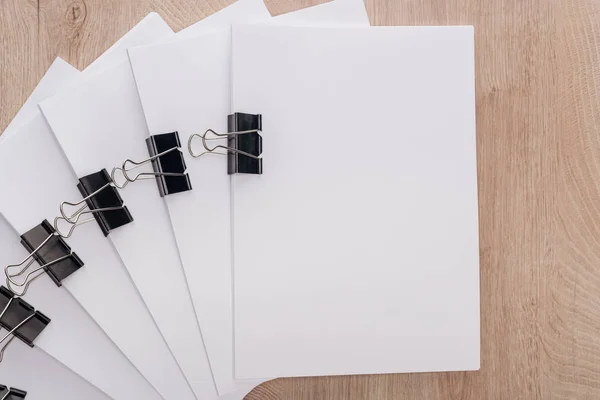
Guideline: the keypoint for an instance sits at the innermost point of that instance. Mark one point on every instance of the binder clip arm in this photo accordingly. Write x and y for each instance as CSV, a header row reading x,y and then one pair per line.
x,y
145,175
73,218
219,136
36,273
244,143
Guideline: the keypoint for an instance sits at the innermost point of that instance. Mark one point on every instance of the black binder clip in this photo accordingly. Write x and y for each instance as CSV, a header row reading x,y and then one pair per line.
x,y
247,147
20,319
7,393
244,143
55,256
168,164
47,246
102,200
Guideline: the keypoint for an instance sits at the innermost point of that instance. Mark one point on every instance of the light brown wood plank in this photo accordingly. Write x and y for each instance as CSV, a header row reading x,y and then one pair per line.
x,y
538,147
79,31
20,70
571,287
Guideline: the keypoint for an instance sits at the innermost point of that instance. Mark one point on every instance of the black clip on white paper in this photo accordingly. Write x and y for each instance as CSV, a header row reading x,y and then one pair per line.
x,y
101,199
46,245
20,319
7,393
168,163
244,143
104,201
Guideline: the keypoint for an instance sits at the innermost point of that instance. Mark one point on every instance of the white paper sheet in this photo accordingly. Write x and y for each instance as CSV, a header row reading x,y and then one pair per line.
x,y
42,377
169,77
75,342
114,313
356,251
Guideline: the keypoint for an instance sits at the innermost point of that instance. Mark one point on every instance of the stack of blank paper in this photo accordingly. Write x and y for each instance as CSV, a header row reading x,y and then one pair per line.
x,y
353,249
356,250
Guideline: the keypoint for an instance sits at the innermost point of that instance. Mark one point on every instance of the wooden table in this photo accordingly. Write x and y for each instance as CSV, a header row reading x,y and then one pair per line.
x,y
538,136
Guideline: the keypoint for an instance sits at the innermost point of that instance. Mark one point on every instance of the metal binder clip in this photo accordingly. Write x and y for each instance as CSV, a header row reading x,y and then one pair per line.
x,y
167,162
47,246
102,200
244,143
20,319
7,393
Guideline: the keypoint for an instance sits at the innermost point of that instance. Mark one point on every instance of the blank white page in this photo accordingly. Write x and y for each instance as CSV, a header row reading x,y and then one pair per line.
x,y
356,251
73,338
42,377
38,177
200,217
169,77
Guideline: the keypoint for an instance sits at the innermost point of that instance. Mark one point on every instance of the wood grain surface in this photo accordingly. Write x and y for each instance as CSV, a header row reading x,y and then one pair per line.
x,y
538,120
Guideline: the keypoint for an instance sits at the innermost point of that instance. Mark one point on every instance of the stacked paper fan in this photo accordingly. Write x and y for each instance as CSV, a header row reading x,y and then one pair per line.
x,y
199,212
